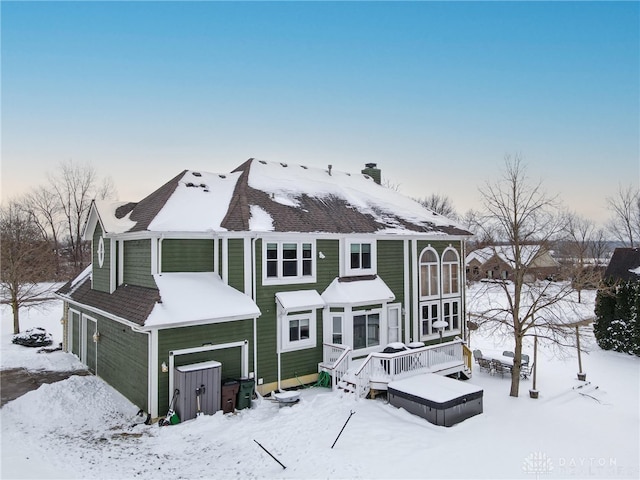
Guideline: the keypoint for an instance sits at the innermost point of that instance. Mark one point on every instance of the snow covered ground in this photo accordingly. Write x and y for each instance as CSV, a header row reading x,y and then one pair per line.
x,y
81,428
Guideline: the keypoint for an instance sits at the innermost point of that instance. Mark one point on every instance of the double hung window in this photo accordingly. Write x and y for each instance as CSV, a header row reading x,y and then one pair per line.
x,y
360,258
289,262
298,331
429,315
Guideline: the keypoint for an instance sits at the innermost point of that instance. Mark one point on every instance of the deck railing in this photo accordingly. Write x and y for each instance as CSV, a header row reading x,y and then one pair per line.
x,y
335,361
385,367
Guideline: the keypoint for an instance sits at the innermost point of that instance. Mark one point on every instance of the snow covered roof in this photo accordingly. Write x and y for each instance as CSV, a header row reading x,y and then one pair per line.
x,y
263,196
357,291
190,298
299,300
529,254
105,212
181,299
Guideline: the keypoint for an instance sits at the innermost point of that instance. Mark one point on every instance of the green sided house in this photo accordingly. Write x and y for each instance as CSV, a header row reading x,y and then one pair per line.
x,y
274,272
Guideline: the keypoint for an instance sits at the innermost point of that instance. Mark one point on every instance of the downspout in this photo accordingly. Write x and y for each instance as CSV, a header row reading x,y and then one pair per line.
x,y
255,319
463,265
278,343
415,300
160,254
406,308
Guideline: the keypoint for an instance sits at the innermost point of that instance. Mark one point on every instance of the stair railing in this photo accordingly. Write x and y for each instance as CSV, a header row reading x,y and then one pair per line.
x,y
389,366
467,354
336,361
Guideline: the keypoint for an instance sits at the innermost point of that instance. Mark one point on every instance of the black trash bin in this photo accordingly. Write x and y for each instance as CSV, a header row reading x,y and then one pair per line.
x,y
245,394
229,395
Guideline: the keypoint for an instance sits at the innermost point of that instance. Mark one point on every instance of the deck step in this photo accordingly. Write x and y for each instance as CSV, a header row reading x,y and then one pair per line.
x,y
347,386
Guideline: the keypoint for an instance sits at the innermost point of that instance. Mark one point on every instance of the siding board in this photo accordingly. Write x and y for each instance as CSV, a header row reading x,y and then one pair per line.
x,y
137,263
192,255
198,336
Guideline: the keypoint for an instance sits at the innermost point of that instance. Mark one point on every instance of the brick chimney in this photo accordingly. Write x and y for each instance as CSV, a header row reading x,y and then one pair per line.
x,y
373,171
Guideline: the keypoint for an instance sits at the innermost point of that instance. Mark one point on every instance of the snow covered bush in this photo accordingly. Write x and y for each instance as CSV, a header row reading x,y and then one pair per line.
x,y
617,326
34,337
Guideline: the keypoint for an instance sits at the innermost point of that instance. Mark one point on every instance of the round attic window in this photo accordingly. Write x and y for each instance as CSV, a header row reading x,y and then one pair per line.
x,y
100,252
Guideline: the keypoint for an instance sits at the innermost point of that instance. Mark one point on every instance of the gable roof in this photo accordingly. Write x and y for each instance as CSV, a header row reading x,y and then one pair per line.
x,y
530,255
260,196
624,265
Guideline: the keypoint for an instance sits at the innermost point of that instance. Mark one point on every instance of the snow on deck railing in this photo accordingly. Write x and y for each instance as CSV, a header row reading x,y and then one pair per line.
x,y
335,361
386,367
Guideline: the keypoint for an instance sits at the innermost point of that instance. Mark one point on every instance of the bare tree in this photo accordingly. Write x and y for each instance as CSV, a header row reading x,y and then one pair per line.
x,y
483,234
625,223
440,204
75,185
579,248
26,260
44,208
526,218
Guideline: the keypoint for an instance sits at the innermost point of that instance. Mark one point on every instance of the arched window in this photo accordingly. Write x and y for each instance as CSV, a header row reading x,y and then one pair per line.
x,y
450,272
429,273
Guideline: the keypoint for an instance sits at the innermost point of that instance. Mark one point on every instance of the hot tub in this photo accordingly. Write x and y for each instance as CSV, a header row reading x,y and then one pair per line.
x,y
440,400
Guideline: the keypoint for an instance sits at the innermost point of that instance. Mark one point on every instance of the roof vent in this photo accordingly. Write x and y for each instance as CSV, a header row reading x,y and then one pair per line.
x,y
202,185
196,174
262,162
189,184
222,176
284,165
329,167
303,166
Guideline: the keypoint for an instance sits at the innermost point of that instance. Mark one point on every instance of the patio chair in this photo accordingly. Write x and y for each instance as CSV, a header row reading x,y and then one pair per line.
x,y
484,364
477,354
507,353
499,368
525,359
525,370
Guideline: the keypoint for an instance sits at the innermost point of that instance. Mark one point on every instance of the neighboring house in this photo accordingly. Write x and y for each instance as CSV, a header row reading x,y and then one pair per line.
x,y
498,262
617,326
257,269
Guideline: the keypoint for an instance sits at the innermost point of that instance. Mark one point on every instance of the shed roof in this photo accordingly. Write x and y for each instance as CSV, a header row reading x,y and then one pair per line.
x,y
357,291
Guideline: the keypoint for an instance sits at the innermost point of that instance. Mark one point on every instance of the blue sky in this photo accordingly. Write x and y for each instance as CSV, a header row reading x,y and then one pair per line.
x,y
435,93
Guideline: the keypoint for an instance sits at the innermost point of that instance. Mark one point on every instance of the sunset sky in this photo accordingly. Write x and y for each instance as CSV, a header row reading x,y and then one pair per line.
x,y
435,93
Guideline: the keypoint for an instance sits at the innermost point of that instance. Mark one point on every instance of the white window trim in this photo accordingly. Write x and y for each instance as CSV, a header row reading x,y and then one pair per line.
x,y
442,268
101,251
450,330
434,333
437,263
348,271
84,320
383,327
287,345
298,279
394,307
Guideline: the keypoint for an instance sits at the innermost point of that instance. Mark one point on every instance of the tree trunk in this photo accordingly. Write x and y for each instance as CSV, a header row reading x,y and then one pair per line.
x,y
515,371
16,316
